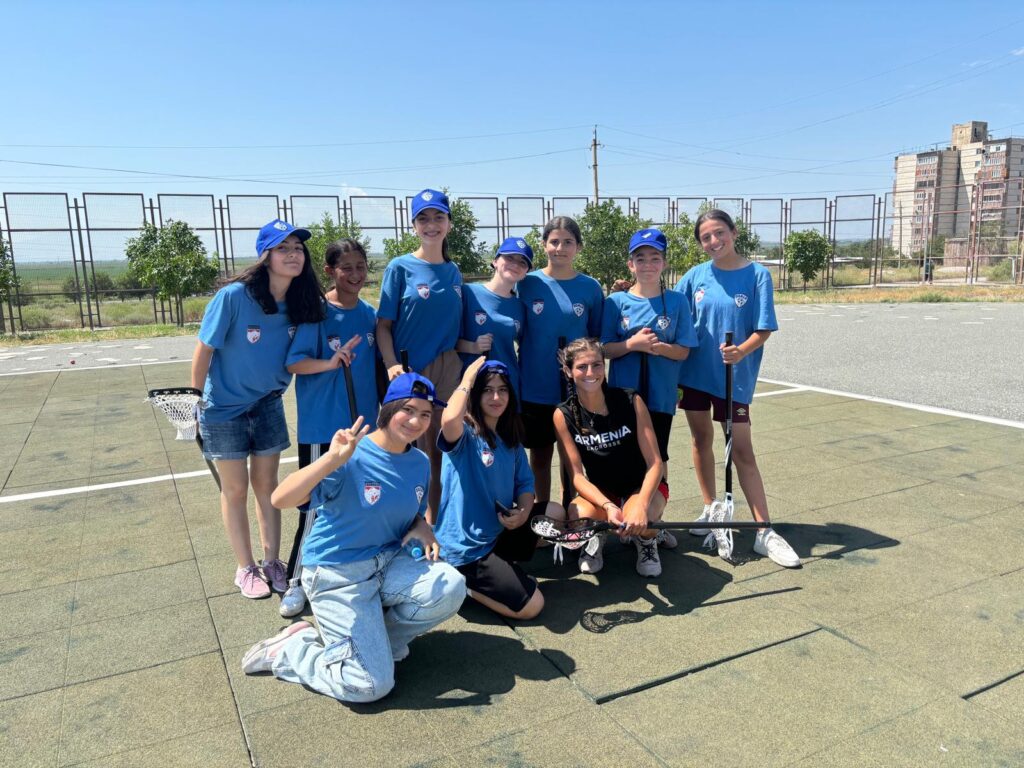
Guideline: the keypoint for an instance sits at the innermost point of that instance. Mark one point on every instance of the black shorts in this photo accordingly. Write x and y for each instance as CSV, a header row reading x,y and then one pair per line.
x,y
696,400
662,423
497,576
539,425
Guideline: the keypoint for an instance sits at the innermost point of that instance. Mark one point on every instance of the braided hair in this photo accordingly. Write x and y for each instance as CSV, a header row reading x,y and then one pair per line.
x,y
573,349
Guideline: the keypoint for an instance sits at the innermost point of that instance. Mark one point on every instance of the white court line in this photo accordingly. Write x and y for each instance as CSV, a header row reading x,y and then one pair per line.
x,y
780,391
901,404
78,368
107,486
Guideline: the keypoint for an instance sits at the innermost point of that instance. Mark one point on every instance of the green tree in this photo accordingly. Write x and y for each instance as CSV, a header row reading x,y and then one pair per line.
x,y
405,243
72,286
606,230
173,260
129,286
9,284
469,254
807,252
540,256
325,232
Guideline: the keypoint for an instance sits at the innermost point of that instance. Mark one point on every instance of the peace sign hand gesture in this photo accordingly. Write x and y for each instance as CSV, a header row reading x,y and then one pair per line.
x,y
344,442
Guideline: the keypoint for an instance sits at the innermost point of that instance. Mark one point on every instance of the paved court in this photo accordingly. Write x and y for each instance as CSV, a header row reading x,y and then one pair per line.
x,y
899,642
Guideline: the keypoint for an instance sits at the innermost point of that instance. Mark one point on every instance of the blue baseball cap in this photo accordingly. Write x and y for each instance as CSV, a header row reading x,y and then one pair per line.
x,y
275,232
405,386
519,247
650,236
493,366
430,198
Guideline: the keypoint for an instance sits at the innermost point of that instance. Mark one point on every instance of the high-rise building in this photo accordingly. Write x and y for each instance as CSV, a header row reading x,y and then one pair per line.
x,y
972,186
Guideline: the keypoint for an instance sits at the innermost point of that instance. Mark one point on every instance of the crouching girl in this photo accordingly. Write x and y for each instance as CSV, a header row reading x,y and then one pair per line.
x,y
369,496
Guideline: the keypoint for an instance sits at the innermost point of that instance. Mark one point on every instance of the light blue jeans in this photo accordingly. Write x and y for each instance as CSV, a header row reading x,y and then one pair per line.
x,y
368,612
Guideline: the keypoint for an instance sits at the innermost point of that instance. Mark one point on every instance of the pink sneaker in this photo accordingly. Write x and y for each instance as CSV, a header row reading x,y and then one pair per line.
x,y
275,573
251,582
260,658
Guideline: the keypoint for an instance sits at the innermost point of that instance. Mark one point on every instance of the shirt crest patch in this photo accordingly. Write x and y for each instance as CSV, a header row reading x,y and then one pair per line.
x,y
480,317
699,295
252,333
420,490
334,342
538,306
291,331
458,290
423,290
578,309
487,456
370,338
371,492
741,299
663,322
518,325
625,323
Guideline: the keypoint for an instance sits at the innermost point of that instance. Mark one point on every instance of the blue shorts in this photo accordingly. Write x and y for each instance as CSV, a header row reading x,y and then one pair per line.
x,y
260,431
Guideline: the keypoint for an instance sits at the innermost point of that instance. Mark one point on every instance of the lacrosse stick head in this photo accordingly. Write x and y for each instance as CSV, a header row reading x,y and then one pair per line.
x,y
568,534
178,405
721,512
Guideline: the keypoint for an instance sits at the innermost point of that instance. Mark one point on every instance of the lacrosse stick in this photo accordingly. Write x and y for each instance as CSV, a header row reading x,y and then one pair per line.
x,y
722,511
644,379
403,355
353,413
573,534
179,406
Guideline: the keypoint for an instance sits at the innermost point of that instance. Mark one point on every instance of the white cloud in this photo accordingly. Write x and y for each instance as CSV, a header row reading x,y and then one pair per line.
x,y
348,190
1017,51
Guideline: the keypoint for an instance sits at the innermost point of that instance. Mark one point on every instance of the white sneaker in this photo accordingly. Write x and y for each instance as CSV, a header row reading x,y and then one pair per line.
x,y
720,538
591,556
648,563
769,544
703,517
292,601
666,540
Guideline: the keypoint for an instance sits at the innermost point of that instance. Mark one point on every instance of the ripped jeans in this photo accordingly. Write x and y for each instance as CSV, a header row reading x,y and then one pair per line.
x,y
368,612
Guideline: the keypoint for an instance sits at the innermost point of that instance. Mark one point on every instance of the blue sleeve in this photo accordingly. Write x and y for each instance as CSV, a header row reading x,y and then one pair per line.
x,y
303,346
220,314
422,510
328,489
595,314
453,448
766,320
524,475
610,320
392,287
686,335
683,286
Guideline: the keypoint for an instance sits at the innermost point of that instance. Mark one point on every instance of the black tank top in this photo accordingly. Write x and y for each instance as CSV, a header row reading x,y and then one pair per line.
x,y
609,445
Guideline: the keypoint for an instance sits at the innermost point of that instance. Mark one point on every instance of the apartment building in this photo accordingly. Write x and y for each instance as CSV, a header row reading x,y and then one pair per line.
x,y
973,185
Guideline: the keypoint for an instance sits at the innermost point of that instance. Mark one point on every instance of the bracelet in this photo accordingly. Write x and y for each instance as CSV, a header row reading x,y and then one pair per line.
x,y
462,389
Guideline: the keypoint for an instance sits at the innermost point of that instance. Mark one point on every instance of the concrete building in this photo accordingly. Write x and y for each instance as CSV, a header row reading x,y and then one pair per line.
x,y
971,187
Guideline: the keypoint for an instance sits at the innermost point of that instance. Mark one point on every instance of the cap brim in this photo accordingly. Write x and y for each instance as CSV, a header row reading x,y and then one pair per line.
x,y
637,247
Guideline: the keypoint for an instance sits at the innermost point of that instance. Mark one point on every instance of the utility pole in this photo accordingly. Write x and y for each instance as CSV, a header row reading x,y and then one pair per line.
x,y
593,149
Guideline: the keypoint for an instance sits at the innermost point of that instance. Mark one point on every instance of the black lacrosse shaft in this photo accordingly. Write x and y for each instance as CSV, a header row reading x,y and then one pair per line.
x,y
563,384
403,355
604,525
728,421
644,379
351,393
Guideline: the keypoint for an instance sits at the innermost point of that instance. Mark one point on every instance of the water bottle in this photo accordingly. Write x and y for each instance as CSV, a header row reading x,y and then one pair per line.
x,y
414,547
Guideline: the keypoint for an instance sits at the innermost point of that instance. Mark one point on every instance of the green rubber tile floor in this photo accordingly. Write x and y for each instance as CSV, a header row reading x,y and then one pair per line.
x,y
897,642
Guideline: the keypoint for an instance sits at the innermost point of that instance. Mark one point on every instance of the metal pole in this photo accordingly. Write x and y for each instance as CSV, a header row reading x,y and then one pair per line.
x,y
593,149
85,272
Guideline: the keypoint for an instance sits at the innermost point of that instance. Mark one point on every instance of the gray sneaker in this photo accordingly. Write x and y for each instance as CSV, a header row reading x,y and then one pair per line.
x,y
666,540
702,518
648,562
591,556
292,601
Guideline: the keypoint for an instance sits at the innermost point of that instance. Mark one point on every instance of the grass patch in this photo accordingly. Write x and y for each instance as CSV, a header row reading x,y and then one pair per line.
x,y
66,335
917,293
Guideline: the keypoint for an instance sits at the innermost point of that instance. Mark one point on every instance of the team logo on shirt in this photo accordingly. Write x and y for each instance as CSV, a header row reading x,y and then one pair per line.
x,y
625,323
334,342
538,306
252,333
663,322
419,494
517,325
423,290
480,317
578,309
291,331
371,492
370,338
699,295
458,290
487,456
741,299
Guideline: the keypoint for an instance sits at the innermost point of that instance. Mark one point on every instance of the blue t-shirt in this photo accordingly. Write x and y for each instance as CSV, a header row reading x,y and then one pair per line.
x,y
484,311
250,348
473,477
322,398
721,300
624,315
424,303
569,308
367,505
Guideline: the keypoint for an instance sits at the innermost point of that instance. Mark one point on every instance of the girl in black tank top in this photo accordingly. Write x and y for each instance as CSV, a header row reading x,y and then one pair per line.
x,y
607,438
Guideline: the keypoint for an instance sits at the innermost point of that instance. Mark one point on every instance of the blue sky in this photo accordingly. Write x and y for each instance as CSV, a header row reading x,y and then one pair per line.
x,y
739,99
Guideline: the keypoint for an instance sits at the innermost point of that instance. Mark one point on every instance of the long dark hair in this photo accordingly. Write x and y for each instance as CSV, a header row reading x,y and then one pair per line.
x,y
584,423
562,222
304,297
509,427
444,243
715,214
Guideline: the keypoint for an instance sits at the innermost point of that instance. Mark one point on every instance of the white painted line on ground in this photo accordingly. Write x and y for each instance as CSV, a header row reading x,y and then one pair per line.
x,y
779,391
902,404
107,486
106,359
79,368
972,322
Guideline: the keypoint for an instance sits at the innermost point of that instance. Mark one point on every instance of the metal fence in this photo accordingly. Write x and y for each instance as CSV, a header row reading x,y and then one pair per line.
x,y
68,253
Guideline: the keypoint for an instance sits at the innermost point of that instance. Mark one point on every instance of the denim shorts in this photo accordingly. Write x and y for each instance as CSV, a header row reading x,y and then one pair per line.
x,y
260,431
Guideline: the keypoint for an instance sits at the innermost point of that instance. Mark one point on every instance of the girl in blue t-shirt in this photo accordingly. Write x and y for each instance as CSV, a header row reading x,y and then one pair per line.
x,y
648,328
345,337
728,293
369,593
239,363
492,314
484,465
561,305
420,312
